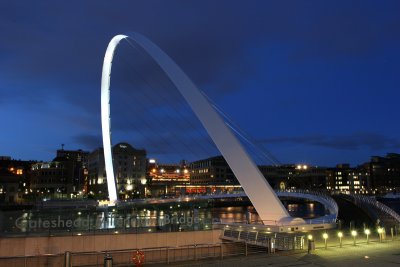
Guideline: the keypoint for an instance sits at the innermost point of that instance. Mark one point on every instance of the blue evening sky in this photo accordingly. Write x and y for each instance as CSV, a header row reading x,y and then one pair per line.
x,y
311,81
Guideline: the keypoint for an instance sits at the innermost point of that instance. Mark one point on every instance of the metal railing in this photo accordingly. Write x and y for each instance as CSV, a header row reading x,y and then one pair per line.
x,y
378,205
328,202
318,196
196,252
363,201
270,241
33,260
152,255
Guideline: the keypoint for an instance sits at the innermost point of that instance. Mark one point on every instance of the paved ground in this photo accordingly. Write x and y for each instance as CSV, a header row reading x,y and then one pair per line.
x,y
363,254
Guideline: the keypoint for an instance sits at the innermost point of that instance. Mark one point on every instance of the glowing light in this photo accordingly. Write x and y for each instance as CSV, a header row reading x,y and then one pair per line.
x,y
310,237
325,236
105,116
340,234
354,234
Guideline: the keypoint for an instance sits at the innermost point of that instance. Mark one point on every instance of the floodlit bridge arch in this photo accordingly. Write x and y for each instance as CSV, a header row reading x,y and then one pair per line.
x,y
260,193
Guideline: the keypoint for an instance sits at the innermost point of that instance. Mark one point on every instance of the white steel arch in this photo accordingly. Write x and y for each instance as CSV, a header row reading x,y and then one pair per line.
x,y
260,193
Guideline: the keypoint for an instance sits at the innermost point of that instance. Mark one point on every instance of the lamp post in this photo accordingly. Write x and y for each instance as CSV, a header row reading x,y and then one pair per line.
x,y
380,232
340,235
325,236
392,233
354,234
367,232
310,244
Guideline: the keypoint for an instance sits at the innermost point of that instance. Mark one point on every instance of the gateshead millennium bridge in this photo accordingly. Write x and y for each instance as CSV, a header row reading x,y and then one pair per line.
x,y
260,193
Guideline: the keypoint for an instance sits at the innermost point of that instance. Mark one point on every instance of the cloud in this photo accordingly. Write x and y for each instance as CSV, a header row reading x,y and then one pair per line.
x,y
89,142
168,146
52,52
209,39
354,141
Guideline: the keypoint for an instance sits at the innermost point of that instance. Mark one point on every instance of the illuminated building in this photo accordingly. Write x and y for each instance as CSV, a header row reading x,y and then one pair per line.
x,y
14,179
64,177
129,168
346,179
212,171
215,171
294,176
385,172
165,178
79,159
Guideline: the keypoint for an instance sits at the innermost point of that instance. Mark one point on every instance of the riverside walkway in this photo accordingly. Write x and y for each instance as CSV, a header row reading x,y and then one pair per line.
x,y
353,252
375,253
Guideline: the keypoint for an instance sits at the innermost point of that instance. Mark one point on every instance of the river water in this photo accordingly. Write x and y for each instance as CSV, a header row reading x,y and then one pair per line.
x,y
139,218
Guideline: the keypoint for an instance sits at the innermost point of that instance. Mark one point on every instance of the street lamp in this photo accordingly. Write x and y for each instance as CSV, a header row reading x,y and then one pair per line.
x,y
354,234
380,232
340,235
367,232
310,244
325,236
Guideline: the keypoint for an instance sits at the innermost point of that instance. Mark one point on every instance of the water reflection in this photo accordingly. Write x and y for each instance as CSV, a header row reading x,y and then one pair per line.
x,y
138,219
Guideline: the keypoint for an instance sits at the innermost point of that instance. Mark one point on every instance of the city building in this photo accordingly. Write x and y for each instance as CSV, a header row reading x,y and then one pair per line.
x,y
64,177
79,160
345,179
52,180
215,171
129,171
212,171
165,179
291,176
14,179
385,172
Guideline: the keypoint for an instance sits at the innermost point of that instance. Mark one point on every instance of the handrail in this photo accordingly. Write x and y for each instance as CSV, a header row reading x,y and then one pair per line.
x,y
314,195
373,202
323,198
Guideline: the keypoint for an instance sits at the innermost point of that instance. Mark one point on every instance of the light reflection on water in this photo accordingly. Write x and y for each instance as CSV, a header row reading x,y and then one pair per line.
x,y
153,218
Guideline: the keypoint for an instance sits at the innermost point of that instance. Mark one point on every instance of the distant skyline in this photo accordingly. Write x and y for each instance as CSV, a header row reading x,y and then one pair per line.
x,y
314,82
